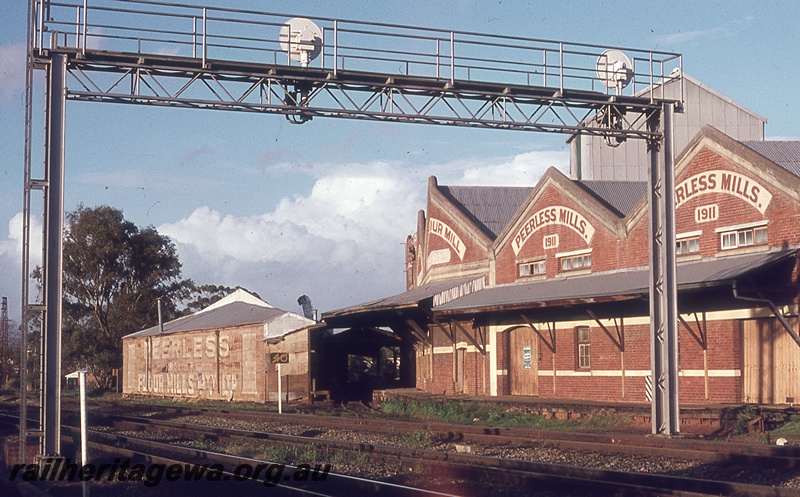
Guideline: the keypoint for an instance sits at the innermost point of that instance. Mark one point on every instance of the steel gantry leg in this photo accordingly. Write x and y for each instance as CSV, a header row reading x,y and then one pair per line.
x,y
54,217
663,285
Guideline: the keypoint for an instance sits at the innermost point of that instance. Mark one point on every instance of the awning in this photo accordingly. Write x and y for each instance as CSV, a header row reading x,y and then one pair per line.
x,y
417,302
608,287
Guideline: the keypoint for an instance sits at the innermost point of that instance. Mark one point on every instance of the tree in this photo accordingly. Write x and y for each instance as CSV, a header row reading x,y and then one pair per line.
x,y
114,273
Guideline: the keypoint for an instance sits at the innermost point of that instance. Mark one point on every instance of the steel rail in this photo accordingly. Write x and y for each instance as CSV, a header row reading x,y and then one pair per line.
x,y
334,484
477,468
785,456
418,461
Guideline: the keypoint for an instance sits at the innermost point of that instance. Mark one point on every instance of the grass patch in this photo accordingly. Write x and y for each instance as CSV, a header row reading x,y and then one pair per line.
x,y
790,429
421,439
490,414
211,404
298,454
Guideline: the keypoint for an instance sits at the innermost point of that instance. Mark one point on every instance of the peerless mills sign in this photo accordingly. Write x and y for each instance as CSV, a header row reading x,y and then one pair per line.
x,y
551,216
728,182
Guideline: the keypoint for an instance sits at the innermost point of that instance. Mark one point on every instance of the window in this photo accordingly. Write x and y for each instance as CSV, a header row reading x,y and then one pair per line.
x,y
759,235
533,268
576,262
743,237
688,245
729,240
584,347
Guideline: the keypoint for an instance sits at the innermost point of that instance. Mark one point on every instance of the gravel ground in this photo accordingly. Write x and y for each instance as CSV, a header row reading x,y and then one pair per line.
x,y
689,468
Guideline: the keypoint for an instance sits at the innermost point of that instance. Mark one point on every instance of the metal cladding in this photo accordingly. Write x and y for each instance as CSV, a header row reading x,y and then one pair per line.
x,y
621,196
230,315
784,153
489,207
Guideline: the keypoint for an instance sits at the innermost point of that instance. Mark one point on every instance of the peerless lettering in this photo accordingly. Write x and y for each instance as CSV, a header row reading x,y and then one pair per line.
x,y
557,215
727,182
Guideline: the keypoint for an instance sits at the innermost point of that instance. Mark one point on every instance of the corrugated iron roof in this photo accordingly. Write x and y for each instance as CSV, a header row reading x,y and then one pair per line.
x,y
784,153
412,297
619,196
619,283
489,207
226,316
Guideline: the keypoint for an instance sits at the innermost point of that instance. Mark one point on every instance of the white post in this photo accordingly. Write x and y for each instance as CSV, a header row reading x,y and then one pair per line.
x,y
81,376
280,406
84,428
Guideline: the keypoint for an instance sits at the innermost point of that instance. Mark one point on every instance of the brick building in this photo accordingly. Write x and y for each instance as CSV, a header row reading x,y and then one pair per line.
x,y
543,290
221,353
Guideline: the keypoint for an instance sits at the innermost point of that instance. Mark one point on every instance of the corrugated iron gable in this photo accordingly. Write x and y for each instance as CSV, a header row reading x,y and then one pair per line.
x,y
227,316
620,196
784,153
489,207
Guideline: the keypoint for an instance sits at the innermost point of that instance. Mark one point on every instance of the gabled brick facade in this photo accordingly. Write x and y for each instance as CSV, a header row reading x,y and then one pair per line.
x,y
730,201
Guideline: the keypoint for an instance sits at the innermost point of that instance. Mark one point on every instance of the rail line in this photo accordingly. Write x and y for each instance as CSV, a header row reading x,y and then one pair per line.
x,y
463,467
474,468
292,482
786,457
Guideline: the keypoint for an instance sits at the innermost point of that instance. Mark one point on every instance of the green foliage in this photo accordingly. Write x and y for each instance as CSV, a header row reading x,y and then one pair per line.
x,y
743,419
114,273
489,414
789,429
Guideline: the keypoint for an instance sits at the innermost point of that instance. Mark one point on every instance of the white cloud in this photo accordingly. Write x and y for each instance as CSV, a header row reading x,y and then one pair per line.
x,y
11,260
342,243
731,28
687,36
521,170
344,236
12,71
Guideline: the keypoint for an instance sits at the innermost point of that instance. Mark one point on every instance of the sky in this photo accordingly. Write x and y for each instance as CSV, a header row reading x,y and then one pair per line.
x,y
324,208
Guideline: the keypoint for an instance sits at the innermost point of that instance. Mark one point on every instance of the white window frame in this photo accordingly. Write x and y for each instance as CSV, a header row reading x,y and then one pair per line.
x,y
743,236
534,268
585,262
689,244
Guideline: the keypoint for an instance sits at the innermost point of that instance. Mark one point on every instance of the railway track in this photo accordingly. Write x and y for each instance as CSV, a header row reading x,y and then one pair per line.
x,y
471,471
785,457
473,468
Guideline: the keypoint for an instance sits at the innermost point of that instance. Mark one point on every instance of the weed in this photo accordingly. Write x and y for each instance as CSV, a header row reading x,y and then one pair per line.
x,y
490,414
743,419
789,429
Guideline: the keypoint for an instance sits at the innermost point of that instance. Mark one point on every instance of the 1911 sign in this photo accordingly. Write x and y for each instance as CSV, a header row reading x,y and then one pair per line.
x,y
278,358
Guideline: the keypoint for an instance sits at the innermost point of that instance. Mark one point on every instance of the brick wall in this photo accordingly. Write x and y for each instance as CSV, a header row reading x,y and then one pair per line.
x,y
624,244
225,364
603,381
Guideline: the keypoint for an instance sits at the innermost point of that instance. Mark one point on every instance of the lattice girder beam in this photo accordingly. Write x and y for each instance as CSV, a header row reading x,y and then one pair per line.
x,y
304,93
